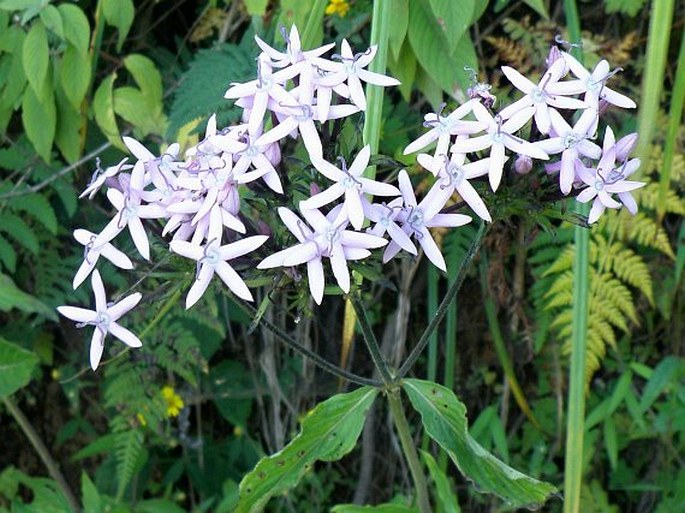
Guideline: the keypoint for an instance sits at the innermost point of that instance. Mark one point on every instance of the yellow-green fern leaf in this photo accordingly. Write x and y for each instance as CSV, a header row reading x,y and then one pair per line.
x,y
632,269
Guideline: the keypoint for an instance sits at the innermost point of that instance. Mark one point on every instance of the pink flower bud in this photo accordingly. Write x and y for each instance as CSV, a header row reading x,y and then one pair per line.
x,y
523,164
263,228
314,189
273,154
625,146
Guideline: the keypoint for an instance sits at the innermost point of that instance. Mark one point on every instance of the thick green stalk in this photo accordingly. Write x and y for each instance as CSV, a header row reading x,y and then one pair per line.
x,y
660,20
409,450
674,118
575,428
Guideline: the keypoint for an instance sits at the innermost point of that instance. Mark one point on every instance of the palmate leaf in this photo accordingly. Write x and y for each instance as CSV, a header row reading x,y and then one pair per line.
x,y
444,419
328,432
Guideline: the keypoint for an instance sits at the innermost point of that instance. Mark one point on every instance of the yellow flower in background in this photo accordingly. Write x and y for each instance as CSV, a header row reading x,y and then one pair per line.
x,y
174,403
339,7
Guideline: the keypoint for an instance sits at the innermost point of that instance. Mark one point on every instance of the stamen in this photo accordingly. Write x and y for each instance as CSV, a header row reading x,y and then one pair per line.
x,y
561,41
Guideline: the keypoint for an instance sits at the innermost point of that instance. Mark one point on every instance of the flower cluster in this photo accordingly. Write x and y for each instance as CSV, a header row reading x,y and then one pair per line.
x,y
198,196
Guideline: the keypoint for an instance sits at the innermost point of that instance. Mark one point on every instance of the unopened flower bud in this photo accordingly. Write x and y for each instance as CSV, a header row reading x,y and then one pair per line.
x,y
552,56
263,228
314,189
273,154
625,146
481,91
523,164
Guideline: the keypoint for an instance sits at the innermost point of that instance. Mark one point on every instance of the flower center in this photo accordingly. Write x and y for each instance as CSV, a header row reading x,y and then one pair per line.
x,y
455,174
415,219
102,321
599,185
252,151
130,211
211,255
571,140
538,95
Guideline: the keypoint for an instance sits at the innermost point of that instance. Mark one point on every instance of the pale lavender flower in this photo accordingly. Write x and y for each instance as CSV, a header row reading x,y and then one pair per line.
x,y
454,175
351,184
607,179
386,217
418,217
212,259
443,128
293,54
592,84
351,69
571,143
539,96
328,239
104,318
101,175
91,254
499,136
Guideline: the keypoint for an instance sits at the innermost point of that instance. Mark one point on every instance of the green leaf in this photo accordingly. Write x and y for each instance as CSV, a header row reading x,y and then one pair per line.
x,y
12,297
7,255
478,9
446,497
444,419
16,365
146,75
17,228
201,89
38,207
19,5
158,506
102,445
538,6
91,497
256,7
452,22
39,117
52,20
380,508
629,7
132,105
76,26
74,74
444,65
611,441
404,70
103,108
399,21
36,55
231,385
664,374
68,136
328,432
119,13
16,80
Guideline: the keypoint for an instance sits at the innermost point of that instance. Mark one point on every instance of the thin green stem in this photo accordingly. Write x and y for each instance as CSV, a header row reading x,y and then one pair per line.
x,y
575,427
409,449
442,309
318,360
42,450
370,339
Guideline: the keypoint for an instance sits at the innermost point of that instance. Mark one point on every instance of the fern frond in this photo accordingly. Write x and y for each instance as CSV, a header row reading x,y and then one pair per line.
x,y
640,229
129,452
612,294
632,269
673,203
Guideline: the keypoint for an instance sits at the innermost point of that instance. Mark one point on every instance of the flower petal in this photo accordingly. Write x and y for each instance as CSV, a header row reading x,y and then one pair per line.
x,y
126,336
129,302
316,279
233,281
97,347
77,314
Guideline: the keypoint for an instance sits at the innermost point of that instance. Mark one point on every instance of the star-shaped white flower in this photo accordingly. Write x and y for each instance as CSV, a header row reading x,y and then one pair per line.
x,y
104,318
92,253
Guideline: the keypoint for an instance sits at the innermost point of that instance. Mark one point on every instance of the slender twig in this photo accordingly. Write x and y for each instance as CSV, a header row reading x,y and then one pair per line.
x,y
42,450
409,449
442,309
370,339
41,185
318,360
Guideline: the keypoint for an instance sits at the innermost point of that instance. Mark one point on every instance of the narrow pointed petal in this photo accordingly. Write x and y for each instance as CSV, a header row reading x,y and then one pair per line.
x,y
283,129
296,226
199,285
77,314
186,249
430,248
242,247
520,82
301,253
316,279
371,77
98,291
567,174
138,150
340,270
629,202
128,303
353,207
596,211
97,347
378,188
496,165
617,99
311,140
422,141
135,226
126,336
473,200
323,198
400,238
86,267
406,188
233,281
356,91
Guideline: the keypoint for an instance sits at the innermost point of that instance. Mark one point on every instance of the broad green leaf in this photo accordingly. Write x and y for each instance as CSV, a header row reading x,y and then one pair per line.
x,y
76,26
52,20
68,136
380,508
443,65
132,105
404,70
662,378
102,445
158,506
256,7
399,21
36,55
538,6
39,117
328,432
146,75
16,366
8,256
478,10
452,21
19,5
12,297
231,384
447,498
74,74
119,13
103,108
16,80
444,419
90,496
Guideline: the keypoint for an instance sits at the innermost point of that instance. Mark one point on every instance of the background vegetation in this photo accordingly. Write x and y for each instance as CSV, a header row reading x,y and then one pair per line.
x,y
174,426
